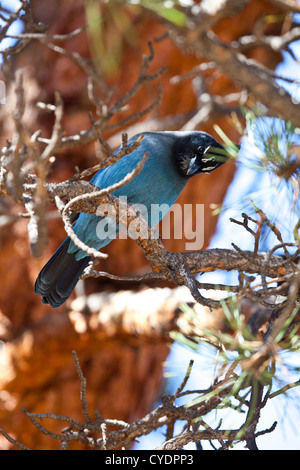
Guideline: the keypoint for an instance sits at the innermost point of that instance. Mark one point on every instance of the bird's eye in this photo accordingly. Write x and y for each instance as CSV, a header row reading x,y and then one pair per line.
x,y
202,150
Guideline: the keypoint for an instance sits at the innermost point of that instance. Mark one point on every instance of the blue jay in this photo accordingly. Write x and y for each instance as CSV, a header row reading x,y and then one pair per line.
x,y
174,157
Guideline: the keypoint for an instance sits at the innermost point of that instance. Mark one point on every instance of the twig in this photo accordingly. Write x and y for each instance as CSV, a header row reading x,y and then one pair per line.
x,y
69,230
13,441
111,159
253,414
83,400
44,37
186,378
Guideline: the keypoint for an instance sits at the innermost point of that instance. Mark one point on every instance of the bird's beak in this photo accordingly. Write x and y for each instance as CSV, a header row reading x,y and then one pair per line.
x,y
193,166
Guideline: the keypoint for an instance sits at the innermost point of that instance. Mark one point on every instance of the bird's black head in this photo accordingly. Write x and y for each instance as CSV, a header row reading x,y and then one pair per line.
x,y
197,152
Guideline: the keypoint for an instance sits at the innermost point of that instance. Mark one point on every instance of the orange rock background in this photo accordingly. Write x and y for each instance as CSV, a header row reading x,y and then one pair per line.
x,y
121,369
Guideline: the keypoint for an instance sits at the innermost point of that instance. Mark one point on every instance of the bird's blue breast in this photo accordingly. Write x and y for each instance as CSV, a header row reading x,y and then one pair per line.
x,y
158,184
